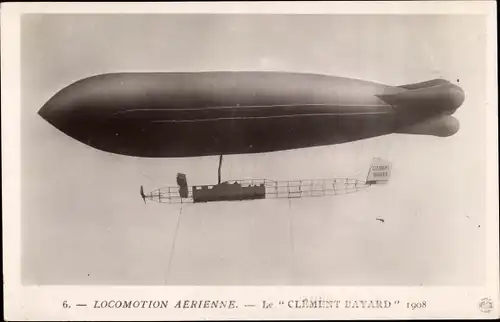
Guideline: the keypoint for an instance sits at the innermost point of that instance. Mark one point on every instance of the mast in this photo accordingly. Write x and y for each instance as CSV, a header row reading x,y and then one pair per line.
x,y
220,165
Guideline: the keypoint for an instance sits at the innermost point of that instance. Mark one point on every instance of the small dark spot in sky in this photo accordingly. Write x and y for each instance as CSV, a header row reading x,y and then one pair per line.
x,y
458,80
88,274
380,219
478,226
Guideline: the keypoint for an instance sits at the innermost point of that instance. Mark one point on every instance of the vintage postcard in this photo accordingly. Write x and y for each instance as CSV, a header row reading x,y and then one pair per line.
x,y
200,161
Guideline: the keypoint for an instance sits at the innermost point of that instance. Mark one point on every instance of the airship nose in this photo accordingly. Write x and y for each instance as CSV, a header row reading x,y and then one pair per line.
x,y
53,114
61,112
50,114
57,115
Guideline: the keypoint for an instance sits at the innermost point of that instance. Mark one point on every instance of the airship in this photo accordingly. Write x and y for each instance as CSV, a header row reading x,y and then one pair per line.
x,y
169,115
191,114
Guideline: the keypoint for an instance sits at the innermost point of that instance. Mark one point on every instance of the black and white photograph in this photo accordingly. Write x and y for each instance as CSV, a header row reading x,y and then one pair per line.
x,y
252,149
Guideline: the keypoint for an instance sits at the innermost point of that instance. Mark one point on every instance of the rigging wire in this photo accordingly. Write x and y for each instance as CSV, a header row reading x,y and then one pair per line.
x,y
173,245
141,172
290,219
292,240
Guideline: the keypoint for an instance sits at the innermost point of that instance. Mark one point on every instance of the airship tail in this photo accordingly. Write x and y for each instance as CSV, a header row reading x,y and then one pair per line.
x,y
433,102
380,172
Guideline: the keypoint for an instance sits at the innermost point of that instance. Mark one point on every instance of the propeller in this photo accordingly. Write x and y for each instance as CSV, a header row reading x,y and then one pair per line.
x,y
143,195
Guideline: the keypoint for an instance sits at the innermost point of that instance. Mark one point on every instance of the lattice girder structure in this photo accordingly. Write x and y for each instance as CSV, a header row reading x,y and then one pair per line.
x,y
273,189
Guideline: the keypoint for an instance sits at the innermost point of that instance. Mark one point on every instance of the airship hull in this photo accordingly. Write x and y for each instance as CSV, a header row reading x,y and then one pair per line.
x,y
210,113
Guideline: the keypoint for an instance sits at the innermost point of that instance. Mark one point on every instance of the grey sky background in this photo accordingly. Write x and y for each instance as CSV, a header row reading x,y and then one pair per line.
x,y
83,221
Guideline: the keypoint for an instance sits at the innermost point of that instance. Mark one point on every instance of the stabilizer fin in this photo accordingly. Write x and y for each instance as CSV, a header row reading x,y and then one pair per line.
x,y
425,84
439,98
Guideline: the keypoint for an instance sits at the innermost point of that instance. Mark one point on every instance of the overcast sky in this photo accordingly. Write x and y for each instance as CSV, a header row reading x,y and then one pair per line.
x,y
84,222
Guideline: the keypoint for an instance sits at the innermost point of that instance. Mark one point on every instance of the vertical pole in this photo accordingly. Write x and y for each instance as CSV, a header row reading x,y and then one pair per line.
x,y
220,164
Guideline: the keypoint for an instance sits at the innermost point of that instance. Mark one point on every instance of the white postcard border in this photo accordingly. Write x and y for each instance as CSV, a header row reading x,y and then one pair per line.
x,y
50,302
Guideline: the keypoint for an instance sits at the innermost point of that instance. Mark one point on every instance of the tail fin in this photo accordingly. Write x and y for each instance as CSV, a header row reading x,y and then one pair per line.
x,y
426,84
380,172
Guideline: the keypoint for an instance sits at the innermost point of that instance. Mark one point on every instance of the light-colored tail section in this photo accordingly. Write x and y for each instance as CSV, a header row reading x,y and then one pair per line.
x,y
380,172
